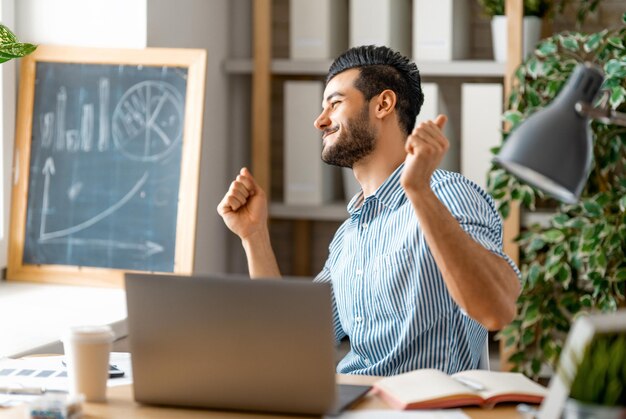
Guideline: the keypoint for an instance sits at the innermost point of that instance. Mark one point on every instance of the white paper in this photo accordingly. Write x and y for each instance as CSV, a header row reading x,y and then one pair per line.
x,y
48,372
403,414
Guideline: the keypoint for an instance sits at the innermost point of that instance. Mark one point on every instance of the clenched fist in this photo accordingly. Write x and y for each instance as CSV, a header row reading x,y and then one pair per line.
x,y
425,148
244,207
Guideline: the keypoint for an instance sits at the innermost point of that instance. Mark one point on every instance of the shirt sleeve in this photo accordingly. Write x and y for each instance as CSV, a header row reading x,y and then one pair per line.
x,y
324,277
475,211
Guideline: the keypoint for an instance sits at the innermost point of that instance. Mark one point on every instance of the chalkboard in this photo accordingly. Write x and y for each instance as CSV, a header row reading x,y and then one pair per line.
x,y
105,174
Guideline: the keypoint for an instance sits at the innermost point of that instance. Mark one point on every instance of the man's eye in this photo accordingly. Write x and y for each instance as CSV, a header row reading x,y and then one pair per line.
x,y
334,104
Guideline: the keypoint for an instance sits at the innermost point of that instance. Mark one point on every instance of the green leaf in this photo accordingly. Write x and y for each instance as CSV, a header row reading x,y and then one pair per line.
x,y
517,357
552,88
602,261
533,274
513,117
569,42
504,208
536,244
624,18
592,208
553,236
564,275
616,42
533,98
528,336
585,300
534,69
594,41
531,315
622,203
546,48
614,68
620,275
500,179
528,197
559,220
510,341
6,36
617,96
499,194
16,50
553,270
536,366
559,250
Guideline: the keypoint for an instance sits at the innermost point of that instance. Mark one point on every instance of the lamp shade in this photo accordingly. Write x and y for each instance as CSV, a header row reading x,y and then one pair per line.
x,y
552,149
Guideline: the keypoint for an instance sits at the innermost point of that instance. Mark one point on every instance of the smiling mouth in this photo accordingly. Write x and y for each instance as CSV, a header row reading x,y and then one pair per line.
x,y
329,132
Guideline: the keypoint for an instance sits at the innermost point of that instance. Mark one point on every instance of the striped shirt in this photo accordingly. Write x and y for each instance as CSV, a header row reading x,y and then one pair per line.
x,y
389,297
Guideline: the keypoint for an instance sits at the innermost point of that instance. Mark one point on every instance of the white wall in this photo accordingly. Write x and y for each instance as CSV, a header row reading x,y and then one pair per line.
x,y
91,23
7,132
203,24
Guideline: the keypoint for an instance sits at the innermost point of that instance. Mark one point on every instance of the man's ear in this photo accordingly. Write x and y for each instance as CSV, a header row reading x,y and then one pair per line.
x,y
385,103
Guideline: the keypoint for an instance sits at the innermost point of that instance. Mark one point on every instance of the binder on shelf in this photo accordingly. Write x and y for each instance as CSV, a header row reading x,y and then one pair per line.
x,y
481,125
381,22
318,29
307,179
440,30
434,105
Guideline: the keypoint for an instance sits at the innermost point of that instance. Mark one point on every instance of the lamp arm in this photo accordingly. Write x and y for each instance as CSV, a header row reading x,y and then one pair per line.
x,y
602,114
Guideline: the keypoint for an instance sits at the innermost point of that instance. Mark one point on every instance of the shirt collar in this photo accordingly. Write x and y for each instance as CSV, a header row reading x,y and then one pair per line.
x,y
390,193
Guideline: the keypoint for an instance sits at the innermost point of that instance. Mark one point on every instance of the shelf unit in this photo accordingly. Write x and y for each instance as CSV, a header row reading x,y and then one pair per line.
x,y
263,68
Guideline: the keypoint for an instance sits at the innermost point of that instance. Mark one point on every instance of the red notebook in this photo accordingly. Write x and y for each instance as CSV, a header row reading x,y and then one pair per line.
x,y
433,389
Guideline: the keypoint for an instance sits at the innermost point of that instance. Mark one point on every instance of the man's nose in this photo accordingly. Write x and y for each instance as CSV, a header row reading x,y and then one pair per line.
x,y
322,121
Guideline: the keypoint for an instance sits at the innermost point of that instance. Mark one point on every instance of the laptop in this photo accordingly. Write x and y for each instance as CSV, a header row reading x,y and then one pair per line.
x,y
228,342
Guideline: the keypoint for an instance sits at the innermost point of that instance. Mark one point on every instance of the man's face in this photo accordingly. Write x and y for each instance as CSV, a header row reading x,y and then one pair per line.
x,y
347,135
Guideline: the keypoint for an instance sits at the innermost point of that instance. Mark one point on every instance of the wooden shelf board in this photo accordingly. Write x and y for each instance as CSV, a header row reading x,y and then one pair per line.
x,y
460,68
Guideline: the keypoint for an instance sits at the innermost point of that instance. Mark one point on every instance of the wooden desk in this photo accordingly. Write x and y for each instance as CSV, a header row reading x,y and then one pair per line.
x,y
120,404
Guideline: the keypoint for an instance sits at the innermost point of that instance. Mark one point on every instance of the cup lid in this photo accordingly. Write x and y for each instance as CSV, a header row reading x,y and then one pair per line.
x,y
90,333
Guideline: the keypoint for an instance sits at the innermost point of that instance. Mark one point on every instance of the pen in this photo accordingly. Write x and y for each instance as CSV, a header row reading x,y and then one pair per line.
x,y
28,391
468,382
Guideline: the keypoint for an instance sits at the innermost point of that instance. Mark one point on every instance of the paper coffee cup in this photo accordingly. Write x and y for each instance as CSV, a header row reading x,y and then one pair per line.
x,y
87,350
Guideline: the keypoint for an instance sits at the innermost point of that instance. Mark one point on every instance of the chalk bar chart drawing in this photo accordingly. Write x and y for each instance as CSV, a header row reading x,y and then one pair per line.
x,y
104,166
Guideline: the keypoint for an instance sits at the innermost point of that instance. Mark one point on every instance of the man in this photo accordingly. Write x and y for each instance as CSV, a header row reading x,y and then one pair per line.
x,y
417,271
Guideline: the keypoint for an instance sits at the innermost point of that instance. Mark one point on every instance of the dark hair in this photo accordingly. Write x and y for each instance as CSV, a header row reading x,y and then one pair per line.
x,y
383,68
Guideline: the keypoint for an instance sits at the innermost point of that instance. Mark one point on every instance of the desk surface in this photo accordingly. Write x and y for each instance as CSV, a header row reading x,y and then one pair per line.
x,y
120,404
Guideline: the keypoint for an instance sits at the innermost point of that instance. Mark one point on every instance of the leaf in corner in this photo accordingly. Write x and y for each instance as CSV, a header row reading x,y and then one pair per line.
x,y
6,36
16,50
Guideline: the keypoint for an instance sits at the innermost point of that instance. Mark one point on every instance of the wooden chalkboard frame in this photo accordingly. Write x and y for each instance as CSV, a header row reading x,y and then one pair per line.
x,y
194,60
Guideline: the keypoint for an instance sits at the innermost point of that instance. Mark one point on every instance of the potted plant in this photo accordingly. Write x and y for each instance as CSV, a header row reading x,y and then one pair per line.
x,y
598,390
577,263
534,11
10,48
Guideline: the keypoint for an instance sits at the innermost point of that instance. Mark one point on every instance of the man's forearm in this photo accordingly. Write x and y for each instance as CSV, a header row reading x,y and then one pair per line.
x,y
261,259
482,283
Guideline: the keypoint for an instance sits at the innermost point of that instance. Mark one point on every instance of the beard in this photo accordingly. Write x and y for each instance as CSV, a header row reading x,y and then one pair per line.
x,y
355,142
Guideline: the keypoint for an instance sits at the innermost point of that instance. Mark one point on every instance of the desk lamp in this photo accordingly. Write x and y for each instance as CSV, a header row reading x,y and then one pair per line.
x,y
552,149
